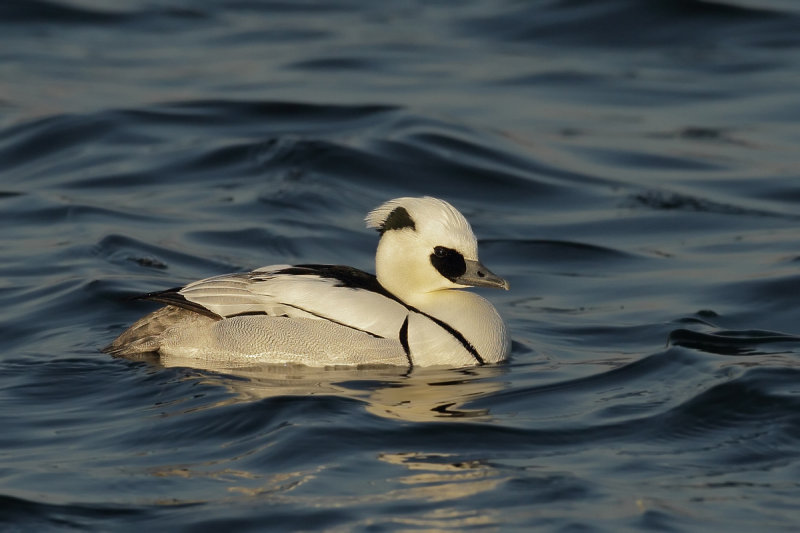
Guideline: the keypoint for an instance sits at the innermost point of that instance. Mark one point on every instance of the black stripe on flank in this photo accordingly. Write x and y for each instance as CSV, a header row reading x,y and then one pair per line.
x,y
404,341
175,298
323,317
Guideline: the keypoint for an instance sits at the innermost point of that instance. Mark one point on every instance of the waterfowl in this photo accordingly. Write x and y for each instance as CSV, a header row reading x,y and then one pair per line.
x,y
413,312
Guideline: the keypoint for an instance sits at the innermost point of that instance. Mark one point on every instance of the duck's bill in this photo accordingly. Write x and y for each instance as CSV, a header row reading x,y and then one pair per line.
x,y
478,275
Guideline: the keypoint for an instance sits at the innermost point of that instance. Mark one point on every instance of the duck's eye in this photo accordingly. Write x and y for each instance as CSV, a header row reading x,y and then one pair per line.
x,y
450,263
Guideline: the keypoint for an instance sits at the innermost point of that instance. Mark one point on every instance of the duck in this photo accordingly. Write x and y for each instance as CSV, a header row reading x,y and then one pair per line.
x,y
412,312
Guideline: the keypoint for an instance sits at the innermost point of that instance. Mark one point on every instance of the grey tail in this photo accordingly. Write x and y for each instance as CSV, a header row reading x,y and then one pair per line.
x,y
144,335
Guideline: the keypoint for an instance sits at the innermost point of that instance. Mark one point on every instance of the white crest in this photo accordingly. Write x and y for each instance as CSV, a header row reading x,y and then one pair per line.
x,y
437,222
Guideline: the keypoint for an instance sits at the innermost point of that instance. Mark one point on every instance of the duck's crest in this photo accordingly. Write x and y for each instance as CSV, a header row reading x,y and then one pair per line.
x,y
409,212
390,215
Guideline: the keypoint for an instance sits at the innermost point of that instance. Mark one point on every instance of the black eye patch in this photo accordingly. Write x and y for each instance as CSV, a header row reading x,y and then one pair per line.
x,y
448,262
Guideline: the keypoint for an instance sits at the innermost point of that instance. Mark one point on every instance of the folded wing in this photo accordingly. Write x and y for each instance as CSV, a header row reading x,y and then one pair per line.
x,y
338,294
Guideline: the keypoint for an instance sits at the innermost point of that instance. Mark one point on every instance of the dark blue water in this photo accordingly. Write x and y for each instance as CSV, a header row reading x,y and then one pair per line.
x,y
631,167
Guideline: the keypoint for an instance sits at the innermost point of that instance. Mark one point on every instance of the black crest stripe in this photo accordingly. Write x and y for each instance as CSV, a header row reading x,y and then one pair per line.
x,y
397,219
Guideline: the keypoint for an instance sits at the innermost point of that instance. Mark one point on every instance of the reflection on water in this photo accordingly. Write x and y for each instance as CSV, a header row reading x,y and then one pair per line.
x,y
430,479
419,395
438,480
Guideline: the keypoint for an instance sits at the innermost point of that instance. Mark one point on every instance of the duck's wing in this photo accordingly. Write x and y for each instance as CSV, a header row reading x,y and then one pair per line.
x,y
338,294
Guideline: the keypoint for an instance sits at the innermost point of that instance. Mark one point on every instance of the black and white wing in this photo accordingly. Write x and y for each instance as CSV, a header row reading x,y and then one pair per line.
x,y
338,294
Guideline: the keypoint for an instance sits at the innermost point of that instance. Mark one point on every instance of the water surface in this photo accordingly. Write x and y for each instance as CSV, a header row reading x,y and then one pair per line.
x,y
630,169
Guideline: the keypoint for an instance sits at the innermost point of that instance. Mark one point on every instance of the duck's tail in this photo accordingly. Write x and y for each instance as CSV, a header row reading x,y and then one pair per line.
x,y
144,336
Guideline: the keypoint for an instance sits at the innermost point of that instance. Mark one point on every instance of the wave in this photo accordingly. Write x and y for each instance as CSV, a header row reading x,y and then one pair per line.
x,y
628,23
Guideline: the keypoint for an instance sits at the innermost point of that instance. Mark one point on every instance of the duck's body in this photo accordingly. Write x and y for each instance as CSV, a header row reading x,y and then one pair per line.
x,y
322,315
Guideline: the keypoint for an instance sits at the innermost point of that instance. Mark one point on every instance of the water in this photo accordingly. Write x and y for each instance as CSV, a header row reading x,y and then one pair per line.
x,y
630,167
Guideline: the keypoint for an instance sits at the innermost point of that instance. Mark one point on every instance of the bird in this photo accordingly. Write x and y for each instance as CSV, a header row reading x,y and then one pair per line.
x,y
412,312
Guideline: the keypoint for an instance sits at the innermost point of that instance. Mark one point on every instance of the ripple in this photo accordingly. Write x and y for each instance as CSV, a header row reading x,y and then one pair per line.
x,y
744,420
559,252
586,23
752,342
661,200
337,64
124,250
270,115
34,141
44,516
38,11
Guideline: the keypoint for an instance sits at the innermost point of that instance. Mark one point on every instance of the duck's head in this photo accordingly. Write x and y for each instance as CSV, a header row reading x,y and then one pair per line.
x,y
426,246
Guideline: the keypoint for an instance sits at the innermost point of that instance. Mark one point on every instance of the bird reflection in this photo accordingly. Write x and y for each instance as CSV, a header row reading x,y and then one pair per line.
x,y
418,395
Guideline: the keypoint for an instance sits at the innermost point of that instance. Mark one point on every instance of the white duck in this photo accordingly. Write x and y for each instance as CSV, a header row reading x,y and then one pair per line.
x,y
411,313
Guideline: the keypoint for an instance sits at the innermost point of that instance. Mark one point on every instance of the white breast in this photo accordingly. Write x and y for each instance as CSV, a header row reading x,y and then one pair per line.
x,y
479,334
